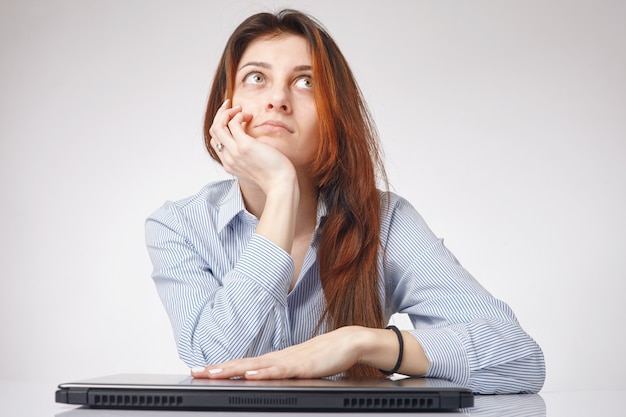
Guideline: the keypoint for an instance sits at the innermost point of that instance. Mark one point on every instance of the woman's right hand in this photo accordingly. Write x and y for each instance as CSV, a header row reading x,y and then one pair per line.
x,y
259,165
245,157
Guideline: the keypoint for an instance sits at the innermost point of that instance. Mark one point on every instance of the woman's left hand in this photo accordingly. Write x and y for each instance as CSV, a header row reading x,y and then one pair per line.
x,y
325,355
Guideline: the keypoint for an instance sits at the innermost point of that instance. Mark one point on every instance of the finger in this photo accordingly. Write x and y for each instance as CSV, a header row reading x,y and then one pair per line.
x,y
273,372
229,369
223,116
198,371
222,133
211,372
217,145
223,373
236,125
220,129
217,114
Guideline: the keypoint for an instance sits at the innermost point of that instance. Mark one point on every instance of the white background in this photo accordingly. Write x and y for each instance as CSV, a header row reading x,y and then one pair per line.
x,y
503,122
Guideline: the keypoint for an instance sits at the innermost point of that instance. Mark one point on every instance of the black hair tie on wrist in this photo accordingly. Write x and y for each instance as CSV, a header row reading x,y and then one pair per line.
x,y
400,353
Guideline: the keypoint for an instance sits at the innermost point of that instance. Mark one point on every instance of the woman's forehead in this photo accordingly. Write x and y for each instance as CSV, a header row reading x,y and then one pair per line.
x,y
276,45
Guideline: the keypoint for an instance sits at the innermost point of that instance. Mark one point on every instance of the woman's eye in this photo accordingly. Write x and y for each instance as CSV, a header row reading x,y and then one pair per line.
x,y
305,82
254,78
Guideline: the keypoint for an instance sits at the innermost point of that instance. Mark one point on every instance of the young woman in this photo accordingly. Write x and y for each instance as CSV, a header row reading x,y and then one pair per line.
x,y
293,269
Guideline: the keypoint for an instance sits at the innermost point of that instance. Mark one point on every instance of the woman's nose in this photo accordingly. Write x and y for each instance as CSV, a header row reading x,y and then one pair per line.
x,y
279,99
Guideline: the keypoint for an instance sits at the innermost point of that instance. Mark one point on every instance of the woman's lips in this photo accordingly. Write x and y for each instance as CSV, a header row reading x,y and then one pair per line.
x,y
275,125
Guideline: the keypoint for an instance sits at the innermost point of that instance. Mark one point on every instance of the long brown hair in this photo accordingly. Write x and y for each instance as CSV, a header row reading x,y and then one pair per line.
x,y
344,169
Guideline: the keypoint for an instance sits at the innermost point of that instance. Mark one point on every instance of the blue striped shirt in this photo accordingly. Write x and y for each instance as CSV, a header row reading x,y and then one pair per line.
x,y
226,291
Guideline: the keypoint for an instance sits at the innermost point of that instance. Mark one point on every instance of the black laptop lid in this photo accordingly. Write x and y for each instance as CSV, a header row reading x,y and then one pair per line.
x,y
169,392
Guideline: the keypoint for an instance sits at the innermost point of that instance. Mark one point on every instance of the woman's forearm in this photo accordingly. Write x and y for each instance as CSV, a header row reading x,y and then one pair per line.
x,y
278,221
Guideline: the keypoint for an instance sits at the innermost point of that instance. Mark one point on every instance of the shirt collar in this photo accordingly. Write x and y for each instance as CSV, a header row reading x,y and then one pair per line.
x,y
232,204
321,213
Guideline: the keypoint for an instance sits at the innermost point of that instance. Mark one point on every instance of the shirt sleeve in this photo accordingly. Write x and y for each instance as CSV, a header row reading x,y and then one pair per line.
x,y
215,319
469,336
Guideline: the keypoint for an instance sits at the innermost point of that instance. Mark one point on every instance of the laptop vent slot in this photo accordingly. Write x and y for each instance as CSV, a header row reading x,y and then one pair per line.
x,y
388,403
262,401
112,400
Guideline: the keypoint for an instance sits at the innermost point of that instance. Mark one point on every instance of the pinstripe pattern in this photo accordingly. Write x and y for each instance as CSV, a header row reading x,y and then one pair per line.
x,y
226,291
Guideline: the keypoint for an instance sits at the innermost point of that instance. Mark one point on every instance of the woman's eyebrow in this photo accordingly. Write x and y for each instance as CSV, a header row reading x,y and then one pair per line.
x,y
302,68
262,64
255,64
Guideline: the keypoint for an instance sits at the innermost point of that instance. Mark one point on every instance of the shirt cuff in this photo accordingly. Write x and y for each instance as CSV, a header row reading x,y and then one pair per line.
x,y
268,265
448,359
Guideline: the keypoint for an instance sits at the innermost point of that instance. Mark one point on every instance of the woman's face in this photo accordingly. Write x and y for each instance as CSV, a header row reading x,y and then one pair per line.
x,y
274,83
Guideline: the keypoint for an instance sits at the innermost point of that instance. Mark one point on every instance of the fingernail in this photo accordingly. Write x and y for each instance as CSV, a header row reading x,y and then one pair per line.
x,y
197,369
224,103
252,372
215,371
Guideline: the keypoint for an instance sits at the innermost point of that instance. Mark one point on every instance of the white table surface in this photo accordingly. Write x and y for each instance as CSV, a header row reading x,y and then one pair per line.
x,y
31,399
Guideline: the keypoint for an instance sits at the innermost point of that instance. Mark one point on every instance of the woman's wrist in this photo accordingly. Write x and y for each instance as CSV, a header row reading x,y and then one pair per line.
x,y
400,356
377,348
380,348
